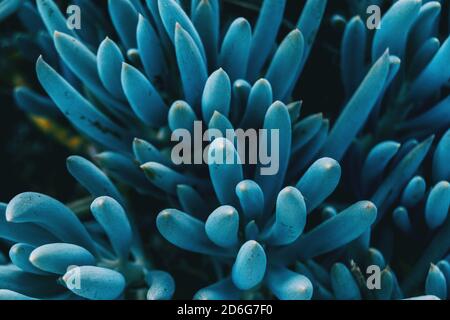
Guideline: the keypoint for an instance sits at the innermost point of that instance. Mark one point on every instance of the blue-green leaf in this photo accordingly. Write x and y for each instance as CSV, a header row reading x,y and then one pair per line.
x,y
438,204
271,176
109,65
285,64
225,170
52,17
192,67
125,19
396,24
414,192
186,232
150,51
435,284
332,233
288,285
172,14
112,217
235,51
20,257
216,95
319,181
358,109
92,178
222,290
441,168
222,226
353,54
250,266
145,101
95,283
251,199
259,100
343,284
50,214
80,112
290,218
162,286
265,34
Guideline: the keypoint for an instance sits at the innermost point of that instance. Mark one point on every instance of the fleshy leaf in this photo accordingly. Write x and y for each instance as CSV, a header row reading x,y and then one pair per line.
x,y
150,51
32,285
52,17
250,266
235,51
125,19
206,20
285,64
264,35
377,161
260,99
441,168
28,233
222,227
168,179
400,216
438,204
191,201
290,218
186,232
391,187
192,67
80,112
109,65
251,199
92,178
331,234
51,215
225,170
414,192
277,120
32,102
95,283
20,257
344,285
57,257
112,217
319,181
305,130
222,290
435,283
396,24
145,101
434,76
216,95
288,285
162,286
124,169
171,15
352,54
358,109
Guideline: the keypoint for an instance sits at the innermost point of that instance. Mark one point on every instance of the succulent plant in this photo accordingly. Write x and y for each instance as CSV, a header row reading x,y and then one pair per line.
x,y
56,256
175,65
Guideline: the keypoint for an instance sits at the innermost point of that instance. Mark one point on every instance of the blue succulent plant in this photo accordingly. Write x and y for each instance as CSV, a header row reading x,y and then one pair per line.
x,y
305,232
56,256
